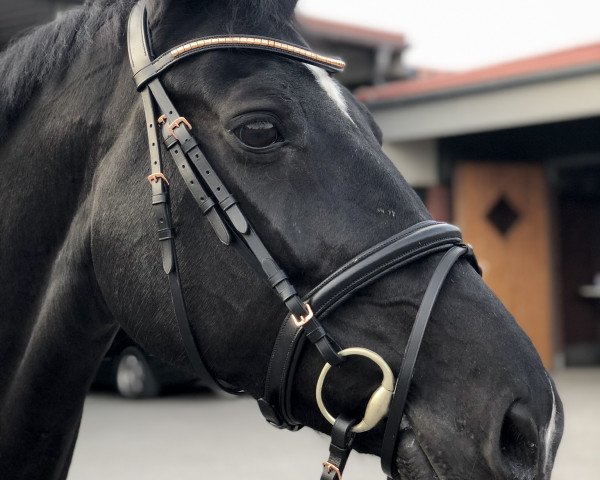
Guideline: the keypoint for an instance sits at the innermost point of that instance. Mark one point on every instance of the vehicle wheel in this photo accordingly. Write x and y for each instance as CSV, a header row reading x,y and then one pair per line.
x,y
134,378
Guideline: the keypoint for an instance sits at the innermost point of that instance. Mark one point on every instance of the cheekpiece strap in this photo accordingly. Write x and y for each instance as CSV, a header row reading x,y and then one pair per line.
x,y
411,352
212,196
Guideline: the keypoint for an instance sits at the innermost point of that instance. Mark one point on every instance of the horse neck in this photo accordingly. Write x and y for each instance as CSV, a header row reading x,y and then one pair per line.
x,y
49,157
54,326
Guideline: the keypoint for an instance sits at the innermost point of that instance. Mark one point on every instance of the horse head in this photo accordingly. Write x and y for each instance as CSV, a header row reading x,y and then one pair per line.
x,y
303,159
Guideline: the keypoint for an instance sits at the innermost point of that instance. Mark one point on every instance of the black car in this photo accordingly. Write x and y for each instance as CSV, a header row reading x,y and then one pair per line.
x,y
135,373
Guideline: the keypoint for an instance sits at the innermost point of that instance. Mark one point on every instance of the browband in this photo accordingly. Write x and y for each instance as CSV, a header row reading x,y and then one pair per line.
x,y
145,69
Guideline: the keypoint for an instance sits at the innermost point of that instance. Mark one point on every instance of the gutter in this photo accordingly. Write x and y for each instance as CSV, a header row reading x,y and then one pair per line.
x,y
454,92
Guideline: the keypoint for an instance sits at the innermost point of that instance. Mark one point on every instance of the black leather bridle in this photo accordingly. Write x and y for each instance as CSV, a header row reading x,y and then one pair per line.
x,y
233,228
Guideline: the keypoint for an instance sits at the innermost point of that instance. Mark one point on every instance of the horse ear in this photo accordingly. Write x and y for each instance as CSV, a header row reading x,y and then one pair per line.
x,y
289,6
283,10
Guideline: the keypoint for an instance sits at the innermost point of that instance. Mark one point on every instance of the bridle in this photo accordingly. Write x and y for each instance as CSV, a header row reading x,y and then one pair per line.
x,y
231,226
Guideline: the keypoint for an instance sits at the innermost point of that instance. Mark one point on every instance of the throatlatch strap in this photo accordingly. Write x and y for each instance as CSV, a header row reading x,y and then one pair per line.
x,y
396,412
340,447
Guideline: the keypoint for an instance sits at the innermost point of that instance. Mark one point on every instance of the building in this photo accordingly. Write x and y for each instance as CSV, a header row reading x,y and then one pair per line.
x,y
373,57
511,153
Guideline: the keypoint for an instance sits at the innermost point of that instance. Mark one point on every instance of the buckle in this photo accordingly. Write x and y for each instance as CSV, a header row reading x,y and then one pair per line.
x,y
329,467
176,123
304,319
155,177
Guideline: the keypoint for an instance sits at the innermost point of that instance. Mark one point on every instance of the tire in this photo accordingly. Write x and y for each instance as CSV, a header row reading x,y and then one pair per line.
x,y
134,377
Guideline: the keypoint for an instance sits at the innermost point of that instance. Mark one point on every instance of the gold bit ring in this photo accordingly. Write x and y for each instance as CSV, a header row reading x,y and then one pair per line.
x,y
379,403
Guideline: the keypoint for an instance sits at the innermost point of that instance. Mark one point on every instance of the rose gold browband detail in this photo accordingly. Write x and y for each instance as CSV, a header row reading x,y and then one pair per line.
x,y
146,70
265,43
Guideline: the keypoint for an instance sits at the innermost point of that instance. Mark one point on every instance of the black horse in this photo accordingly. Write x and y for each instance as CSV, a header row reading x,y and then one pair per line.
x,y
79,257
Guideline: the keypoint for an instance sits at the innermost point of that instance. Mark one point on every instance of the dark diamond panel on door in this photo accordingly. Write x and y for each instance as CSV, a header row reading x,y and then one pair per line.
x,y
503,215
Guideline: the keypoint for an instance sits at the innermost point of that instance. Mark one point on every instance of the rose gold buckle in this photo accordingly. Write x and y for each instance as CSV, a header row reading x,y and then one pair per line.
x,y
155,177
330,467
304,319
175,124
162,119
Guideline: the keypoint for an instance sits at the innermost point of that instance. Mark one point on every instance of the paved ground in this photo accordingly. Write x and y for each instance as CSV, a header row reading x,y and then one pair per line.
x,y
579,453
190,437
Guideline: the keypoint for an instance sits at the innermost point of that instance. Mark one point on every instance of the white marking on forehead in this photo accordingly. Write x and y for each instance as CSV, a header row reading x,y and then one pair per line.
x,y
550,430
332,89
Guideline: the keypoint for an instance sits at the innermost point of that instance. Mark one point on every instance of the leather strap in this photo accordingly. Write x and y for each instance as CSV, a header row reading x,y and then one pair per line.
x,y
340,447
422,239
145,68
151,70
403,382
160,193
166,233
182,145
410,245
210,193
164,221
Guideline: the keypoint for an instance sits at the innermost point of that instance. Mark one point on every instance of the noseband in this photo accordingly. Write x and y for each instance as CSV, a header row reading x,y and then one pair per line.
x,y
231,226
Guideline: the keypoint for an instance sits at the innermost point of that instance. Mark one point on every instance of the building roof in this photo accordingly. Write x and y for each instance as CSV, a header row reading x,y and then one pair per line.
x,y
351,33
568,61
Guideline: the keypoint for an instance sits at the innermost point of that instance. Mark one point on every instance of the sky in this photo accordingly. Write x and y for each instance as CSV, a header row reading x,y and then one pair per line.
x,y
464,34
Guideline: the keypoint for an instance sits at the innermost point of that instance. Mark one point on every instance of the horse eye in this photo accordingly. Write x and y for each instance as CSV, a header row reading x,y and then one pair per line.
x,y
258,134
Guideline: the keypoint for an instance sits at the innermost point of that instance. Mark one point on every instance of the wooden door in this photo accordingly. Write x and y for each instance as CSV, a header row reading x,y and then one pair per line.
x,y
502,209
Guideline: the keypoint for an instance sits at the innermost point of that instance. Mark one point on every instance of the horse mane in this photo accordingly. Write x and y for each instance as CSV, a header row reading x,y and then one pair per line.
x,y
49,49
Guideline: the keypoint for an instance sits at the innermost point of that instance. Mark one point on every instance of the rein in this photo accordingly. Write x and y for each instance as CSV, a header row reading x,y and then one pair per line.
x,y
231,226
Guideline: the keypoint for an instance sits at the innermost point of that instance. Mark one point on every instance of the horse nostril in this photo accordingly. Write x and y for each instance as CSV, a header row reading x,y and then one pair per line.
x,y
519,441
